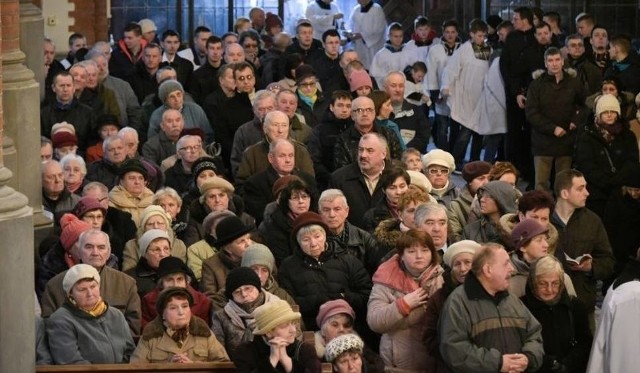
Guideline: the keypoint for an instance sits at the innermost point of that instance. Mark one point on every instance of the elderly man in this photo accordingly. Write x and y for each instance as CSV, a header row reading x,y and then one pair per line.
x,y
56,198
204,80
179,175
116,288
163,145
104,99
171,94
359,181
257,190
432,218
363,114
413,123
106,170
483,328
66,108
131,194
334,209
254,159
234,53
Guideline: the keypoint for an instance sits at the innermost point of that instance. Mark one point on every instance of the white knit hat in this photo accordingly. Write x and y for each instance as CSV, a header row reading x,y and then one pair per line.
x,y
79,272
341,344
148,237
607,102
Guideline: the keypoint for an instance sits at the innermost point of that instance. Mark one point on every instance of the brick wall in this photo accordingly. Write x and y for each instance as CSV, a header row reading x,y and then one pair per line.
x,y
90,19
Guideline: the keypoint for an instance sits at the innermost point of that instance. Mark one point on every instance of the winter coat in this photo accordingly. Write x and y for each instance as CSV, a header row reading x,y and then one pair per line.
x,y
254,160
476,329
178,178
143,83
202,82
627,71
313,115
588,73
214,273
116,288
483,231
387,233
159,147
198,253
253,357
79,115
122,63
275,231
322,142
201,306
76,337
121,199
511,62
584,233
387,314
345,150
458,214
520,276
193,115
621,220
65,203
362,245
414,127
156,346
132,250
130,111
145,276
566,334
509,221
335,275
377,214
104,172
552,104
329,73
450,193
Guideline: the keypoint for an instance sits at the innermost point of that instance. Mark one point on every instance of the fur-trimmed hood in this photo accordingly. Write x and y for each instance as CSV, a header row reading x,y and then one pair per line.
x,y
540,72
155,329
388,232
509,221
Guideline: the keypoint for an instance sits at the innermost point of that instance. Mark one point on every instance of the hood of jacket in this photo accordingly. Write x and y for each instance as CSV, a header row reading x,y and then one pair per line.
x,y
388,232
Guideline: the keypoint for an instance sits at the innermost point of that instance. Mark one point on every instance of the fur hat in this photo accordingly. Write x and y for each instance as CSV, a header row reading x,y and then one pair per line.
x,y
72,228
474,169
148,237
86,204
79,272
272,20
166,294
258,254
201,164
341,344
132,165
281,183
167,87
240,276
464,246
211,221
147,25
306,219
359,78
64,138
271,314
439,157
154,210
229,229
216,182
420,180
332,308
504,194
526,230
607,102
62,127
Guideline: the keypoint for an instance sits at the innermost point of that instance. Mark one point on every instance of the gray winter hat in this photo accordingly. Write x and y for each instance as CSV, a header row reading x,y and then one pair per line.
x,y
504,194
167,87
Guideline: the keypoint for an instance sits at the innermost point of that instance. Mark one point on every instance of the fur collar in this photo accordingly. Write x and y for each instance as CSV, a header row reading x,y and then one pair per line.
x,y
155,329
541,72
388,232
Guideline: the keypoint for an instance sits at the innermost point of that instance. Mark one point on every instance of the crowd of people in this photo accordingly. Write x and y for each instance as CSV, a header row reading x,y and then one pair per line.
x,y
212,202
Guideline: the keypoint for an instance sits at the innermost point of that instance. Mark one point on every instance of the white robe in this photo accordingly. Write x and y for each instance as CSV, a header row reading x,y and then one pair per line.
x,y
616,345
464,78
321,19
436,62
371,25
384,62
490,117
415,53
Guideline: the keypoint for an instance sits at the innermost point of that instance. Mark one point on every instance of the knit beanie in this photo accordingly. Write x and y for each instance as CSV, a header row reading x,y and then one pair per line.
x,y
86,204
281,183
72,228
238,277
258,254
504,194
211,221
341,344
464,246
272,20
474,169
64,138
439,157
148,237
167,87
525,231
271,314
165,296
607,102
79,272
62,127
201,164
154,210
358,79
332,308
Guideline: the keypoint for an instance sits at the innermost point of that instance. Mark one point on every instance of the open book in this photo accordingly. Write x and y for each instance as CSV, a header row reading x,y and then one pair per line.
x,y
577,260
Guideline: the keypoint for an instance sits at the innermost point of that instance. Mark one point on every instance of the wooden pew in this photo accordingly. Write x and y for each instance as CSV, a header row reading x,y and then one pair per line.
x,y
148,368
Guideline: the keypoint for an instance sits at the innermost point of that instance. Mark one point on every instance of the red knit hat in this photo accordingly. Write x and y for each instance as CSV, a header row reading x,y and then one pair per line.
x,y
72,228
358,79
64,138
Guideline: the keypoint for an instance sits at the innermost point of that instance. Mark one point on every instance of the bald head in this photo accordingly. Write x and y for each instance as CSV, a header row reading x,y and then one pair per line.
x,y
394,86
233,53
363,113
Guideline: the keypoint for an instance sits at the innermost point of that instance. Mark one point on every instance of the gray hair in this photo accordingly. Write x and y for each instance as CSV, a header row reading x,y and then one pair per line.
x,y
162,70
270,117
73,157
95,185
310,229
274,144
166,192
184,139
390,74
263,95
425,210
130,130
383,140
87,62
108,141
330,195
93,232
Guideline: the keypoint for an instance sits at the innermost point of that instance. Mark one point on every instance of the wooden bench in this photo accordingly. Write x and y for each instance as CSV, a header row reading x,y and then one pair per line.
x,y
148,368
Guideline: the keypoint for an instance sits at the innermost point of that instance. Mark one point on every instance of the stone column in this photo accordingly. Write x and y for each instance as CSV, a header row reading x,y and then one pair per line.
x,y
17,328
31,34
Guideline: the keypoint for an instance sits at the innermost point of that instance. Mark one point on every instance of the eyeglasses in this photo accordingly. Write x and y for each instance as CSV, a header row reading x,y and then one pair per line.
x,y
193,148
545,285
438,171
307,85
245,77
367,110
301,196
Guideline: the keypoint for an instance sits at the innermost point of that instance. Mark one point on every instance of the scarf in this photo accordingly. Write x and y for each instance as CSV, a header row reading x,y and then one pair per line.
x,y
178,335
73,187
308,100
601,59
481,52
96,311
440,192
609,132
251,306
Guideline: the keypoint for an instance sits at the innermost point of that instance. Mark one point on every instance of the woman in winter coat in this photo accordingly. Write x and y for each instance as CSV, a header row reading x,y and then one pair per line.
x,y
155,245
345,353
397,306
457,259
394,183
175,335
205,249
320,271
603,151
85,330
565,327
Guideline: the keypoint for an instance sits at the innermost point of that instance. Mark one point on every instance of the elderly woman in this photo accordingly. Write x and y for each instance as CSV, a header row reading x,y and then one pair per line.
x,y
397,305
530,240
274,347
203,169
457,260
259,258
155,244
234,324
175,335
75,169
152,217
204,249
438,165
171,203
394,183
611,86
216,194
604,150
345,353
319,271
86,330
565,328
275,230
173,272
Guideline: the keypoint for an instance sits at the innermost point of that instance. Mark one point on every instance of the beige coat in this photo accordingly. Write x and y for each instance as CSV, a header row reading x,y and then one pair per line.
x,y
156,346
131,255
122,200
198,253
214,275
